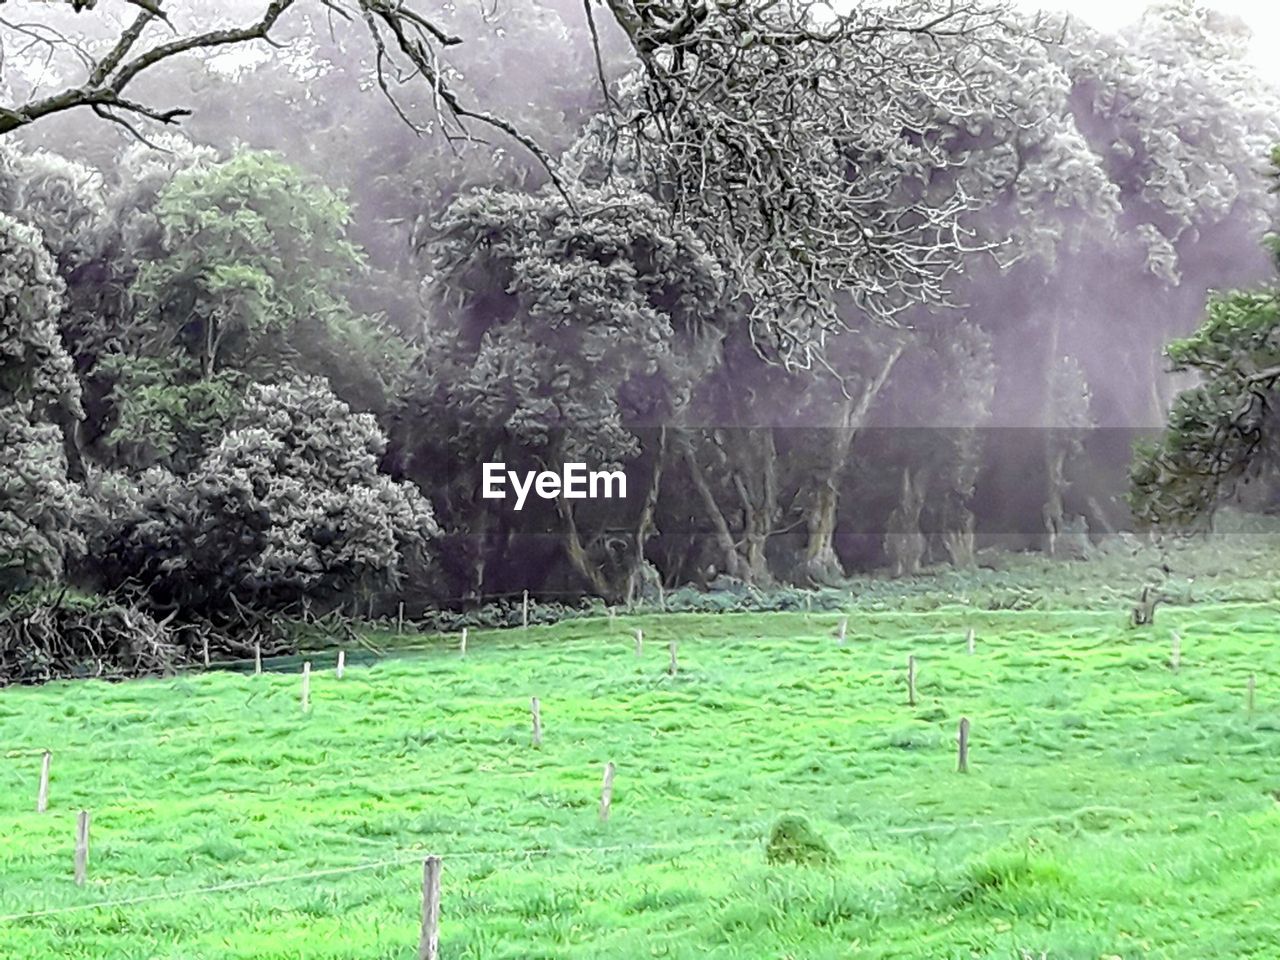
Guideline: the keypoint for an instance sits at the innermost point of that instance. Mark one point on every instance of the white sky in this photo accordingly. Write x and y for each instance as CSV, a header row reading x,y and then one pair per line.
x,y
1263,17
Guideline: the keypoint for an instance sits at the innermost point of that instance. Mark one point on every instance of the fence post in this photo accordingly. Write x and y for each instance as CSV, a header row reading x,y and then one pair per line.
x,y
844,629
639,642
462,644
1251,687
42,795
524,611
911,681
970,638
606,791
82,847
257,658
962,747
306,686
536,709
342,663
674,665
204,644
400,618
429,943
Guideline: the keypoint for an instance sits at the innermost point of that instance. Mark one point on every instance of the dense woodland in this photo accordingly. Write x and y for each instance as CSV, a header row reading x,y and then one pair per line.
x,y
871,292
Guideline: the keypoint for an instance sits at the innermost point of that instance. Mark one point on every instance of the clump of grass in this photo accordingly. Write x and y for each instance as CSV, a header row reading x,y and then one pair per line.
x,y
794,840
1007,874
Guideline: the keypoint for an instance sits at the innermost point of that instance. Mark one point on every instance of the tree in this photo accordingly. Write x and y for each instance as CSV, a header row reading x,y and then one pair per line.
x,y
99,231
1226,429
38,506
559,333
290,506
247,280
751,122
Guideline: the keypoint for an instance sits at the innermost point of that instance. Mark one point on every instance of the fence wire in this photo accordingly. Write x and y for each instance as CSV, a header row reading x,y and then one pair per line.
x,y
405,857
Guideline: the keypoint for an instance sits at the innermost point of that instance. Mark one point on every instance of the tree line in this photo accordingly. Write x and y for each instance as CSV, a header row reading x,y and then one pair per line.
x,y
837,294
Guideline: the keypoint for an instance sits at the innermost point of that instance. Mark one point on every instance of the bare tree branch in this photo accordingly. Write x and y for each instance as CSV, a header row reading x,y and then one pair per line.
x,y
406,41
811,146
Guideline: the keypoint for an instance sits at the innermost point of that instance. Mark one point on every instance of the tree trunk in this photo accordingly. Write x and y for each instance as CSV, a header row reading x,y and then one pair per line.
x,y
616,585
961,543
904,543
578,556
821,566
720,528
757,490
645,527
1054,455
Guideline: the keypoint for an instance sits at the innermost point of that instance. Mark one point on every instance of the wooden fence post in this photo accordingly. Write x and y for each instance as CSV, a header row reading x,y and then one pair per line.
x,y
429,943
1175,651
1250,688
342,663
204,644
462,644
606,791
970,639
674,666
82,847
257,658
400,618
536,709
844,629
524,611
306,686
911,681
42,795
962,747
639,642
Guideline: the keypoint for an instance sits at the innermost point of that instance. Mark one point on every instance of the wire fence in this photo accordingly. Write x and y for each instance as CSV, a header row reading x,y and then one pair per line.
x,y
403,856
407,856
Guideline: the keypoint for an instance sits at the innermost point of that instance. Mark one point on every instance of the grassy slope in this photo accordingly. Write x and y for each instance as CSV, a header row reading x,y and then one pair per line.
x,y
1114,808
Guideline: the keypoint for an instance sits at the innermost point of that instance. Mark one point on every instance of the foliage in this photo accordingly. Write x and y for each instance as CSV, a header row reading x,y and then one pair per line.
x,y
288,507
34,366
62,199
249,282
40,509
558,334
747,120
1224,430
38,506
1187,157
568,324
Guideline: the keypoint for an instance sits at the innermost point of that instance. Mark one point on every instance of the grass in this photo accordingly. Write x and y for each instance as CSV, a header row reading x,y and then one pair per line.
x,y
1114,808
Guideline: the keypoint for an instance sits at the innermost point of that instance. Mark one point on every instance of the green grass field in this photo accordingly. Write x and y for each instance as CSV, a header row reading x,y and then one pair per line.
x,y
1114,808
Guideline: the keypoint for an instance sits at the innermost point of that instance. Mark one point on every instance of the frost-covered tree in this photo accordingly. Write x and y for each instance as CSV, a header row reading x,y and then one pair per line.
x,y
38,389
35,370
289,506
800,140
560,331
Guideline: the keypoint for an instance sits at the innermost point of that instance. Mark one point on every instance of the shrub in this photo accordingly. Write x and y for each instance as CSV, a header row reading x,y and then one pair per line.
x,y
794,840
